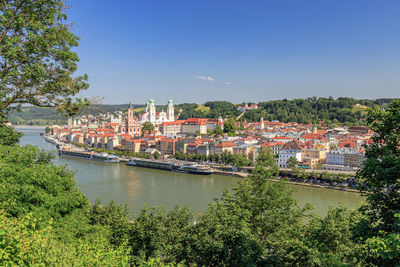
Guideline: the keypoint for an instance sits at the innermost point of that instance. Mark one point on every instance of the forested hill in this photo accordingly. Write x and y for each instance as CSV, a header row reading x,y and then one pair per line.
x,y
313,109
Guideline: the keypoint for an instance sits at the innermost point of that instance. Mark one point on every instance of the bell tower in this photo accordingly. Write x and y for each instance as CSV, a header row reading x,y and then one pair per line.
x,y
170,111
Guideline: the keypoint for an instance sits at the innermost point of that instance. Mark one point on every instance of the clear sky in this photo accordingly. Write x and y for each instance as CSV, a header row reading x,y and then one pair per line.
x,y
200,50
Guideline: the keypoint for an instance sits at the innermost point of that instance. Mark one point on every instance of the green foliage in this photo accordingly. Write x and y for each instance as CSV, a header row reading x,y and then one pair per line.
x,y
384,249
8,136
36,116
266,165
115,217
230,127
35,186
218,131
240,160
292,162
37,61
313,109
379,178
22,244
147,127
381,171
155,234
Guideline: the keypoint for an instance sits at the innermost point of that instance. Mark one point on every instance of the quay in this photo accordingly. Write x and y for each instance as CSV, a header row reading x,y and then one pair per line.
x,y
217,169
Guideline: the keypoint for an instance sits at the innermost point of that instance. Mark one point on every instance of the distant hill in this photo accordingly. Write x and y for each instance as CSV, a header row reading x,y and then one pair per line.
x,y
312,109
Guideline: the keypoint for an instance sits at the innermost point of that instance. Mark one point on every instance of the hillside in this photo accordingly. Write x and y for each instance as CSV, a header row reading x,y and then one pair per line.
x,y
313,109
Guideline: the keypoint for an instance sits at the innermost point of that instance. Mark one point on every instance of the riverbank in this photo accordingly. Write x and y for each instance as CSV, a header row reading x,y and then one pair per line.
x,y
316,182
152,187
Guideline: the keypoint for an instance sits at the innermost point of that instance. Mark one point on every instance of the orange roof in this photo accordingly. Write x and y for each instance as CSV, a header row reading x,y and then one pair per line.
x,y
226,144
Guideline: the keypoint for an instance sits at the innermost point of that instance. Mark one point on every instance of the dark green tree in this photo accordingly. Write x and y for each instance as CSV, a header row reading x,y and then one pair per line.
x,y
266,163
147,127
218,131
37,62
8,136
230,127
379,179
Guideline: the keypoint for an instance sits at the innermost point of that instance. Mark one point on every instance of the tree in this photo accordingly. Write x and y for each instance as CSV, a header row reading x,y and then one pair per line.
x,y
240,160
218,131
8,136
381,168
72,107
292,163
230,127
148,127
379,178
36,58
266,162
116,217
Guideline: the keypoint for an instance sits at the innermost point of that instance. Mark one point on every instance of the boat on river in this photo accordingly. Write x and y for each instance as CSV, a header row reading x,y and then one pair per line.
x,y
193,169
171,166
103,157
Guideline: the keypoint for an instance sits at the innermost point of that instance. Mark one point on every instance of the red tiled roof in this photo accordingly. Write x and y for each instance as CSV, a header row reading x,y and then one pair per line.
x,y
226,144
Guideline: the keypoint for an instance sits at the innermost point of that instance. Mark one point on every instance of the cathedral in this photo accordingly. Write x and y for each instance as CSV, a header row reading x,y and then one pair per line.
x,y
130,125
154,117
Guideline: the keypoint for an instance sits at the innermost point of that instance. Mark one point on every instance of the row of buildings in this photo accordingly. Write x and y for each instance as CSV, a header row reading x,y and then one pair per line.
x,y
330,149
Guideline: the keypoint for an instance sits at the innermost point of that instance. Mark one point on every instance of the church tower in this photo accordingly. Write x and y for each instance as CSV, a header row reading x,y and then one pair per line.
x,y
130,115
262,126
152,111
170,111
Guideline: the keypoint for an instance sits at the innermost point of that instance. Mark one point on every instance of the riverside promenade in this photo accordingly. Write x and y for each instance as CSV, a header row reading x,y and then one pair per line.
x,y
227,170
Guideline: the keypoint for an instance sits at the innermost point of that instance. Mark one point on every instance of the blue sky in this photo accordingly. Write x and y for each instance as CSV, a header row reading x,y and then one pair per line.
x,y
195,51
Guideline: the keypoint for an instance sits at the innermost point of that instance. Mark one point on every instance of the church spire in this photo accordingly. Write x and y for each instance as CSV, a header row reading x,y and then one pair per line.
x,y
130,104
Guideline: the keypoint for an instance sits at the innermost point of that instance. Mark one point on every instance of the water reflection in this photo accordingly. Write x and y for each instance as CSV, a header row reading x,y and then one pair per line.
x,y
138,186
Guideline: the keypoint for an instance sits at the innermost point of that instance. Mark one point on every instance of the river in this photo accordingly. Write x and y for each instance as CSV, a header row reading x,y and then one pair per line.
x,y
140,186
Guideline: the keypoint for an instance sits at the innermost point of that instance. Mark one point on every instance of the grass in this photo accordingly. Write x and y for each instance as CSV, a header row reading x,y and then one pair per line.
x,y
203,109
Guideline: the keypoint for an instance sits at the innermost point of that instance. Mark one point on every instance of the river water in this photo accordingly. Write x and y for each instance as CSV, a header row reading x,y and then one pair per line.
x,y
140,186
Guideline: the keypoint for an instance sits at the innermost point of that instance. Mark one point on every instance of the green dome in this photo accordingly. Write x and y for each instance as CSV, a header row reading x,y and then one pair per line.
x,y
152,101
170,101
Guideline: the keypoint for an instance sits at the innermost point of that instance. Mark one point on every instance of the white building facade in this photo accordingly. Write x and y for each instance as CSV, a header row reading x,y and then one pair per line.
x,y
154,117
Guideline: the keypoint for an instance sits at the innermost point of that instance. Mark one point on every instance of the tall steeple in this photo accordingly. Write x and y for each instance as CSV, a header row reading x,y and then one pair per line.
x,y
130,114
170,111
262,127
152,111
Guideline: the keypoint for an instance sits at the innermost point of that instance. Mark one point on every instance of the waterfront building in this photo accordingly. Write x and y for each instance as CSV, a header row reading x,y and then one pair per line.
x,y
204,148
291,149
133,145
224,147
354,159
166,146
113,142
181,144
191,148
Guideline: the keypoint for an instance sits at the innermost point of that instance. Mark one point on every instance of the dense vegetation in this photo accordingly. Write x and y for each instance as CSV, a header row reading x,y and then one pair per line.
x,y
259,223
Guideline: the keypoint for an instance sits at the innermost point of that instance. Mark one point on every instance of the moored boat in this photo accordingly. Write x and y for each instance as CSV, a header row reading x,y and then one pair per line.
x,y
193,169
88,155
